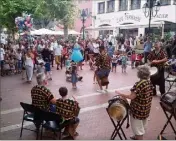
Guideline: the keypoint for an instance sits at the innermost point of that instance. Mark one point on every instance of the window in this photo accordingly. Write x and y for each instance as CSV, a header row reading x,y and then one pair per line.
x,y
101,7
110,6
165,2
174,2
123,5
135,4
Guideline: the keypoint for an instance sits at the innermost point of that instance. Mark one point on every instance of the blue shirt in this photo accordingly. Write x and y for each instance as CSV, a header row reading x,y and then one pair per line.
x,y
147,46
110,51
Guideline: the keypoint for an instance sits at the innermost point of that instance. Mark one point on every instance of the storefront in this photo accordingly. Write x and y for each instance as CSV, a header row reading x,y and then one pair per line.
x,y
134,22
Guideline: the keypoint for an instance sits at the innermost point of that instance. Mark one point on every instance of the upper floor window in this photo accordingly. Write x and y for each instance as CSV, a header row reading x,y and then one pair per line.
x,y
110,5
101,7
174,2
165,2
135,4
123,5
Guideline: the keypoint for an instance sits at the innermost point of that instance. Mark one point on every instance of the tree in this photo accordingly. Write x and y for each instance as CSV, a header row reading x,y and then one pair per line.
x,y
10,9
63,11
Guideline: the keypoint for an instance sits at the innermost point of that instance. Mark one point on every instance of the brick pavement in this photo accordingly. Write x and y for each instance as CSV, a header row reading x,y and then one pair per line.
x,y
94,124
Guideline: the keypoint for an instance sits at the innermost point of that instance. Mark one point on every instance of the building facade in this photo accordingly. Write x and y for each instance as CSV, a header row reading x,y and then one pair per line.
x,y
127,17
87,6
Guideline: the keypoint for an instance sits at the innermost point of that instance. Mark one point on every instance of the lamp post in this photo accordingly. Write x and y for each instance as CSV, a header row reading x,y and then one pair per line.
x,y
83,18
150,10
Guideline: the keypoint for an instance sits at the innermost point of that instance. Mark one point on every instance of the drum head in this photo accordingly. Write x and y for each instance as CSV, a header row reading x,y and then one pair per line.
x,y
153,70
117,111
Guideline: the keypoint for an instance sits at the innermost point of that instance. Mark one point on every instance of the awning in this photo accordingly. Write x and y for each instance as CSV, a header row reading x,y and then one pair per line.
x,y
127,26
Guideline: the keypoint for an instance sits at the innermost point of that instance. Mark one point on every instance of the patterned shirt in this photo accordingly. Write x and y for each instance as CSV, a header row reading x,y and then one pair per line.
x,y
68,109
41,97
141,105
157,56
103,61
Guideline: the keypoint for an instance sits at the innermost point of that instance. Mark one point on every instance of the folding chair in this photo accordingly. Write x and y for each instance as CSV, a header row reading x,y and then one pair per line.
x,y
171,79
53,122
118,128
168,104
30,114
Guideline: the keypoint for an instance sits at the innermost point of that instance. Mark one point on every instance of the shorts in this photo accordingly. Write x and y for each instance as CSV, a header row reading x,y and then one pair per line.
x,y
58,59
138,126
102,73
114,64
124,66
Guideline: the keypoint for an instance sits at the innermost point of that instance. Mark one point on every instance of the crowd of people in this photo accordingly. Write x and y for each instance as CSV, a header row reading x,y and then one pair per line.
x,y
102,56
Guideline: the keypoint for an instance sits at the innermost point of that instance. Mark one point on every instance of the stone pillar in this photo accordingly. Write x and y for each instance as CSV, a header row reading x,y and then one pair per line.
x,y
117,3
129,4
141,30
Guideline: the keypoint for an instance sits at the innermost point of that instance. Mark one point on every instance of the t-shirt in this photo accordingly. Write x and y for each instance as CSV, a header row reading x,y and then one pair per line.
x,y
2,53
19,56
57,50
95,48
114,59
124,60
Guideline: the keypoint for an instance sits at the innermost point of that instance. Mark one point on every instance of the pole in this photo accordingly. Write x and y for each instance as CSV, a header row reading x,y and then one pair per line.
x,y
150,15
83,26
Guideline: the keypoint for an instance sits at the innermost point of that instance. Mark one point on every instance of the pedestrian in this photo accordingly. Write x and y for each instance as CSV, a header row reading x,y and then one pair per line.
x,y
114,62
74,78
124,62
48,69
133,59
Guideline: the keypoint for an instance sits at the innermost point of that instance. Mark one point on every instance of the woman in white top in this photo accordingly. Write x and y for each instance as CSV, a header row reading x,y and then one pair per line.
x,y
29,65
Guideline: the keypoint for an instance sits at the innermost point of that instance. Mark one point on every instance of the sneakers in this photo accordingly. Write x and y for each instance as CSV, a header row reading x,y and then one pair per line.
x,y
102,91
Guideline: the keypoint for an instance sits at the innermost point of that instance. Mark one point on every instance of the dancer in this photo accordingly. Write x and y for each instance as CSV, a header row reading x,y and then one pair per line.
x,y
103,69
76,54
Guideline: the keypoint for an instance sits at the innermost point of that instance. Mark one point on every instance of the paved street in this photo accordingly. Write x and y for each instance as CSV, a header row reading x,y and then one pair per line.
x,y
94,124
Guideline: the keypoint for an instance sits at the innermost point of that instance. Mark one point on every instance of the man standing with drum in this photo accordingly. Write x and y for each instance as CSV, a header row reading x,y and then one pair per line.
x,y
158,58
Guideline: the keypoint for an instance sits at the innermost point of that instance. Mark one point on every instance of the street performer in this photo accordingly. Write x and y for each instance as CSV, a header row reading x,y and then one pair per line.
x,y
158,58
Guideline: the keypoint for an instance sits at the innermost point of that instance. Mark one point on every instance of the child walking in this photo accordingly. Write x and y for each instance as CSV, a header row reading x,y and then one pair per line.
x,y
48,69
74,78
114,62
124,62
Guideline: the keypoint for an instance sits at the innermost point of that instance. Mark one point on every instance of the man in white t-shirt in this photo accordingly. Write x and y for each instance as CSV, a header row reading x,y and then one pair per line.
x,y
57,53
2,53
96,48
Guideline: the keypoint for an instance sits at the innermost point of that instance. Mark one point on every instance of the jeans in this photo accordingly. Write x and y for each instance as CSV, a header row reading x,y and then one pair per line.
x,y
145,56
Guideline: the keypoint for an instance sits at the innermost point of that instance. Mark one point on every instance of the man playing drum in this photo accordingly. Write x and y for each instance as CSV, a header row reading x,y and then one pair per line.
x,y
158,58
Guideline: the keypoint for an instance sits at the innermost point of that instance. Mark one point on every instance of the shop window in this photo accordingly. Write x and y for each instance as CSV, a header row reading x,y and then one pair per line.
x,y
123,5
101,7
110,6
165,2
135,4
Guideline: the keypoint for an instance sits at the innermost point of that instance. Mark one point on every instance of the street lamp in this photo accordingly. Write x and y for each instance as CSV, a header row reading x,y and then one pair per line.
x,y
83,18
150,10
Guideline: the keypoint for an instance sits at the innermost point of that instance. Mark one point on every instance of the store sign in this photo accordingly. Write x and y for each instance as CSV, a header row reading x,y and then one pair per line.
x,y
162,16
128,17
105,21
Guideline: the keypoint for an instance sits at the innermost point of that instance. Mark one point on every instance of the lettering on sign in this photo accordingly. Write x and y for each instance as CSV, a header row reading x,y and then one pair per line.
x,y
105,21
129,17
162,16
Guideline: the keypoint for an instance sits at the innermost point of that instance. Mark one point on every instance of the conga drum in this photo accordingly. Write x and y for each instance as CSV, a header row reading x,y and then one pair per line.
x,y
118,108
154,74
